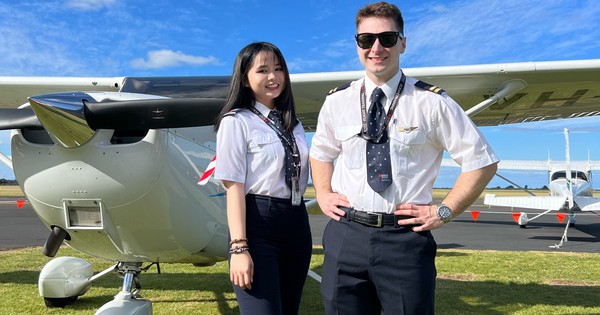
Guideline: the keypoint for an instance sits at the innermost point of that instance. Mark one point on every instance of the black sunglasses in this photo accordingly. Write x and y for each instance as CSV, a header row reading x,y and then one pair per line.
x,y
386,39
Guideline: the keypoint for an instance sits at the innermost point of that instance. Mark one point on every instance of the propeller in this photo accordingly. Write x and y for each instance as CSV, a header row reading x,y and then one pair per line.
x,y
153,113
73,117
12,118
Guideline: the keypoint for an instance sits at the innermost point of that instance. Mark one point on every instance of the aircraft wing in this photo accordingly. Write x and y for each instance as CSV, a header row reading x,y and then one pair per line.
x,y
14,91
528,202
491,94
588,203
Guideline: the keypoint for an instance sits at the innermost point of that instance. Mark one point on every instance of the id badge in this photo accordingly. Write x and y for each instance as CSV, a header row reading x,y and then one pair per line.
x,y
296,195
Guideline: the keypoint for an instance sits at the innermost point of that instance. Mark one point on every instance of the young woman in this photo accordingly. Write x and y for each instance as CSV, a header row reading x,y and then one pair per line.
x,y
263,162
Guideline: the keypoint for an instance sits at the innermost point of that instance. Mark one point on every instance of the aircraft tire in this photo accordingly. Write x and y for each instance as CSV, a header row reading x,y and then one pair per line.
x,y
59,302
523,226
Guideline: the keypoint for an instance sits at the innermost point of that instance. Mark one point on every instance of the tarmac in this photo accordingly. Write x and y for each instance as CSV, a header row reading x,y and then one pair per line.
x,y
479,228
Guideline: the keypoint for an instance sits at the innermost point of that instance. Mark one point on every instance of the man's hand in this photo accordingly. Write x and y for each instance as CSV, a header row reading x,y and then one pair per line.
x,y
329,202
424,216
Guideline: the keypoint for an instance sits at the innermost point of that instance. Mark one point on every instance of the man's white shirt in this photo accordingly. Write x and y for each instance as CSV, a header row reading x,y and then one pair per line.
x,y
423,125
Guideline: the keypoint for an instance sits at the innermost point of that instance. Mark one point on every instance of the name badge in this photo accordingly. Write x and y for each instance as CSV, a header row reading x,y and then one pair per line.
x,y
296,195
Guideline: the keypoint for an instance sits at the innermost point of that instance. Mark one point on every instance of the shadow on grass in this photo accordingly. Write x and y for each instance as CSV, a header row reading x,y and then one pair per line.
x,y
19,277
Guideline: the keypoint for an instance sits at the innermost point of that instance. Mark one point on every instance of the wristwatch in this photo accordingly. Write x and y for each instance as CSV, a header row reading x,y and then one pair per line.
x,y
444,213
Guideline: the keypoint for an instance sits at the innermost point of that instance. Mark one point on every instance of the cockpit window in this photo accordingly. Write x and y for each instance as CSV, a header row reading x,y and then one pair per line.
x,y
574,174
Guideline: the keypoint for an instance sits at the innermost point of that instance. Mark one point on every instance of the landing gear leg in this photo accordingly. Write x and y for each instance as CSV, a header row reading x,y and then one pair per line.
x,y
128,301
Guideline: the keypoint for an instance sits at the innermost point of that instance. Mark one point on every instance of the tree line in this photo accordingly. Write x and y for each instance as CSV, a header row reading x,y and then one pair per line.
x,y
4,181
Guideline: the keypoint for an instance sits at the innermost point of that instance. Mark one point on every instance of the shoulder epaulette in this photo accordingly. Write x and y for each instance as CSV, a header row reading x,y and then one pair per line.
x,y
232,112
429,87
339,88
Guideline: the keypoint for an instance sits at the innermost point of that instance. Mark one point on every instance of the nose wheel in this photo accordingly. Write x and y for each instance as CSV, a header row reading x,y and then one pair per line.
x,y
128,300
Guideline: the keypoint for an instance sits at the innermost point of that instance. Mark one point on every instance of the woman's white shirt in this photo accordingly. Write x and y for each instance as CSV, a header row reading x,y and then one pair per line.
x,y
250,152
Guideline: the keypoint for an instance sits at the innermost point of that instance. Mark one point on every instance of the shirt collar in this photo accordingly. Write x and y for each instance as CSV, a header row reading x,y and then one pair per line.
x,y
263,109
389,87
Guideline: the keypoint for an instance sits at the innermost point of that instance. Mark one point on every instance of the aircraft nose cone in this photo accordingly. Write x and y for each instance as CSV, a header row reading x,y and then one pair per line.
x,y
63,116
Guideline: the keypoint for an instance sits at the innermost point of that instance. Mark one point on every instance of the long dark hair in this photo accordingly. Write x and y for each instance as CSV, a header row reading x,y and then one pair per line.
x,y
241,96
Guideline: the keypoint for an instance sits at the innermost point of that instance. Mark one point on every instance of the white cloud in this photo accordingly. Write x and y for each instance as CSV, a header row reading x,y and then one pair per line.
x,y
90,5
496,31
167,58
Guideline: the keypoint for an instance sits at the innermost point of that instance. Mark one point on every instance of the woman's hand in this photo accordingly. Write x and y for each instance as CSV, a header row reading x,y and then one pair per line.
x,y
241,270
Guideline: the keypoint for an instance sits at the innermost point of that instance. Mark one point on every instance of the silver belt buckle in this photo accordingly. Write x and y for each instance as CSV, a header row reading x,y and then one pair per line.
x,y
379,221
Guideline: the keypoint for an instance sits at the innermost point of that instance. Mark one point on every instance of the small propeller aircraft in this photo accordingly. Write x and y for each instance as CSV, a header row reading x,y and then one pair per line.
x,y
570,189
113,169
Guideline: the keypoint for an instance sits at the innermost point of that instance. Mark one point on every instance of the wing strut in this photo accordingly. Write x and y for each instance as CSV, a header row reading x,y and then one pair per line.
x,y
568,172
510,181
506,90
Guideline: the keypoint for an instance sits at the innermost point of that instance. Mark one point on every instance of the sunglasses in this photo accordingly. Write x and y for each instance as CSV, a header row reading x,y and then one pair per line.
x,y
386,39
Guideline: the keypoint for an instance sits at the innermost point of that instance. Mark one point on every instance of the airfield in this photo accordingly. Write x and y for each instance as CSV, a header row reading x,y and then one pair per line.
x,y
494,229
497,282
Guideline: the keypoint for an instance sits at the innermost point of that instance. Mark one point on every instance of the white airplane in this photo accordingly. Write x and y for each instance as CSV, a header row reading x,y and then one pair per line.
x,y
569,184
113,172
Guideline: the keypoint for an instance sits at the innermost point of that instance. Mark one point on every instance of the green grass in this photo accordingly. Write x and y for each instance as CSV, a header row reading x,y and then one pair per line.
x,y
469,282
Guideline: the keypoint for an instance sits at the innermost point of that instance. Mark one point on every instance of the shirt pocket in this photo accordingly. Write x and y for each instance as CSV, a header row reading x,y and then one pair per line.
x,y
353,146
262,153
406,151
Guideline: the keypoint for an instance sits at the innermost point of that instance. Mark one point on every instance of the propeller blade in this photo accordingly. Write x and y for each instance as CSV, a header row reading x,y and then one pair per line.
x,y
153,113
73,117
12,118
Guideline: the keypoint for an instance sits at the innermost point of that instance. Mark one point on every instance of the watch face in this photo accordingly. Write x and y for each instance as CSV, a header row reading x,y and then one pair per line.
x,y
444,213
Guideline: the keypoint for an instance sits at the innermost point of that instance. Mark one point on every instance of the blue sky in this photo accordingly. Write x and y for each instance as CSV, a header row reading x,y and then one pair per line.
x,y
160,38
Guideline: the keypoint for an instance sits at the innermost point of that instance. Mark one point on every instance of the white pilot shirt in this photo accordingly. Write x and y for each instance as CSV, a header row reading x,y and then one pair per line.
x,y
423,125
249,152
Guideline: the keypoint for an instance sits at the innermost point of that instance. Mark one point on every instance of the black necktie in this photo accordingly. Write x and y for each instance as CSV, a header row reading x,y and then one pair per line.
x,y
379,168
289,162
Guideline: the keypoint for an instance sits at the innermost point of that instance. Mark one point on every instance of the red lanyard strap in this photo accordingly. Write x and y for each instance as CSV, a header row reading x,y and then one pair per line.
x,y
363,108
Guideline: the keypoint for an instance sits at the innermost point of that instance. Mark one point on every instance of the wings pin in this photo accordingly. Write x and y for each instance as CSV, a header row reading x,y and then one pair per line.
x,y
407,129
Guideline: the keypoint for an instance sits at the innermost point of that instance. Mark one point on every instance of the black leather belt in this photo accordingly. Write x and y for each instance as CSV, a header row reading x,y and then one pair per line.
x,y
373,219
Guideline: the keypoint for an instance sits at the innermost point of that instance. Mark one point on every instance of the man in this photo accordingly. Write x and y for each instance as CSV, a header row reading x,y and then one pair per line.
x,y
388,133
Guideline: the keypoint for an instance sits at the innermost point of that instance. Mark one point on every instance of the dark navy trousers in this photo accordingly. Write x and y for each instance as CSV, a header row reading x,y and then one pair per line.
x,y
280,244
369,269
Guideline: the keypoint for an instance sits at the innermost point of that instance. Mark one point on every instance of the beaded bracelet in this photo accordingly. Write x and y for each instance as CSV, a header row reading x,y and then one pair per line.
x,y
238,240
238,250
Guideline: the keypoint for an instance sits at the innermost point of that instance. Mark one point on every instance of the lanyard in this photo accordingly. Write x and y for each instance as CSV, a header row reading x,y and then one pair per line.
x,y
363,108
290,140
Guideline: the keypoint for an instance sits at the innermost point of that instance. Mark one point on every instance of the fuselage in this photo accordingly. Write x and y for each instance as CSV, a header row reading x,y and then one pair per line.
x,y
125,197
578,184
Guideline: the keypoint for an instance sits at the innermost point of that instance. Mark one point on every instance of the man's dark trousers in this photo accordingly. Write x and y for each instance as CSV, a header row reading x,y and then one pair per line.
x,y
368,269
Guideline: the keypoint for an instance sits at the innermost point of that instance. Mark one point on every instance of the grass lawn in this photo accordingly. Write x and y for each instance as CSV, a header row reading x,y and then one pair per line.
x,y
469,282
